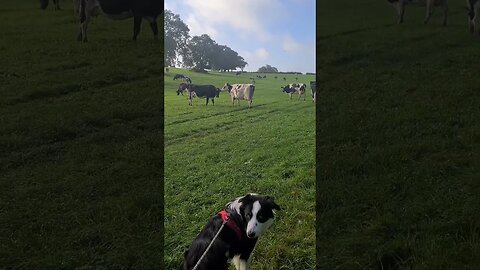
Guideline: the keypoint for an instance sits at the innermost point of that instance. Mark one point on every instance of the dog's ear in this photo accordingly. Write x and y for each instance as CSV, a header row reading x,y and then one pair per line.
x,y
247,197
276,206
272,202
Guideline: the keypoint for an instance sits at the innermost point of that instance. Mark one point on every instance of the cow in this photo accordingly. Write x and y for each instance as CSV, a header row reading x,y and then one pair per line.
x,y
119,10
313,88
473,7
429,4
295,88
240,91
178,76
44,4
201,91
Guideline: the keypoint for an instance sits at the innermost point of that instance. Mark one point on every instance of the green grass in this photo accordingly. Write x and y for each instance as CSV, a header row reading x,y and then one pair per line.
x,y
398,139
214,154
80,142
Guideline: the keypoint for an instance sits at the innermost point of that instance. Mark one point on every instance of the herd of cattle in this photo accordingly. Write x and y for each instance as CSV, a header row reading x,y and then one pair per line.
x,y
114,9
237,91
473,8
150,9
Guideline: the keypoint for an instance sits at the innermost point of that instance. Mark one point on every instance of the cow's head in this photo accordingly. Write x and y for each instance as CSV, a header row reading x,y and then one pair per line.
x,y
217,92
182,88
43,4
227,87
285,88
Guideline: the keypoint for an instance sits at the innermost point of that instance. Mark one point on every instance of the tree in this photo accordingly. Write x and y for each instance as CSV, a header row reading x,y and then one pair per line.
x,y
201,52
224,58
176,37
267,69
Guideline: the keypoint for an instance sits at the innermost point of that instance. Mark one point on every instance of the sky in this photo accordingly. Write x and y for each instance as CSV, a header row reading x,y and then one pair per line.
x,y
280,33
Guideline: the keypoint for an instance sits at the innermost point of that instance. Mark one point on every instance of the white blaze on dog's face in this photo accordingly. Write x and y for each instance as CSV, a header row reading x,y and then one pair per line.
x,y
259,220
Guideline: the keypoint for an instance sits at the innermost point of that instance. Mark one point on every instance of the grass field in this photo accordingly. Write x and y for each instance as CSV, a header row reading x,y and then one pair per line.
x,y
398,139
214,154
80,142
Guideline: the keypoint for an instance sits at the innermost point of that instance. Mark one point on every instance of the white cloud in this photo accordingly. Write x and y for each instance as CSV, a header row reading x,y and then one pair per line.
x,y
262,54
197,28
291,46
250,17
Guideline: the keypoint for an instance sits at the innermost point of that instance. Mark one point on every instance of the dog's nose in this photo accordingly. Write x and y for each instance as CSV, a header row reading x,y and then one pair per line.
x,y
251,235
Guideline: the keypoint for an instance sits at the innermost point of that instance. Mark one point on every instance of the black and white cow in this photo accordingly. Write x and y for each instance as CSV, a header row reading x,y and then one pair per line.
x,y
44,4
201,91
429,4
313,89
119,10
473,7
295,88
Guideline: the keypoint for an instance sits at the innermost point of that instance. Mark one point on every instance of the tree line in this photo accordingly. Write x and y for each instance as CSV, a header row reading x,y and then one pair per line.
x,y
197,52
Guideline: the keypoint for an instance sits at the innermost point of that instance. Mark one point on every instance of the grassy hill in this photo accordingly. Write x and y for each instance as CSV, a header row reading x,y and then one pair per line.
x,y
398,139
214,154
80,142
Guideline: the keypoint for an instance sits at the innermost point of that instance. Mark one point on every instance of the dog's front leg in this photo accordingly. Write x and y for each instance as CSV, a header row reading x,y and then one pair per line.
x,y
244,265
241,264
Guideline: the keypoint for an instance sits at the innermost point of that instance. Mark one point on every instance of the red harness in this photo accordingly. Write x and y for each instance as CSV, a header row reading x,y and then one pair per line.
x,y
231,224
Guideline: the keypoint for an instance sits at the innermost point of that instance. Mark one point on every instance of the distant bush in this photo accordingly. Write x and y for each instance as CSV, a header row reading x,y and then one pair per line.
x,y
200,70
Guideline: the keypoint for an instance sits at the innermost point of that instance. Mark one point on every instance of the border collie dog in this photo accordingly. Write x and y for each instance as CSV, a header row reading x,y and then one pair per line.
x,y
247,217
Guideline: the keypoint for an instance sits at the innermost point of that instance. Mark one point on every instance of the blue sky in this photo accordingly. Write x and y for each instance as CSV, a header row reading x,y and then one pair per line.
x,y
280,33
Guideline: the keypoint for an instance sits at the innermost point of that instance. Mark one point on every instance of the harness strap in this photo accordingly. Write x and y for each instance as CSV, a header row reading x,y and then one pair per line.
x,y
231,224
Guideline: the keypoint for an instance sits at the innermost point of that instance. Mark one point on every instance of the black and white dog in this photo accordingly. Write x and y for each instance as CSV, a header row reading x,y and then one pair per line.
x,y
249,217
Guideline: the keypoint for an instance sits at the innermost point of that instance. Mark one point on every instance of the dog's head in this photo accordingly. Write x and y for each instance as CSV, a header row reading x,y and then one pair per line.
x,y
257,212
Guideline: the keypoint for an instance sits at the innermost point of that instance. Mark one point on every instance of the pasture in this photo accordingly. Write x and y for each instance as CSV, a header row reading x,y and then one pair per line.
x,y
398,138
80,142
214,154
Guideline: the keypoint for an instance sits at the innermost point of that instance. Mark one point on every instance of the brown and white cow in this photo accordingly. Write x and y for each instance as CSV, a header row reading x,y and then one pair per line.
x,y
473,7
119,10
295,88
429,4
240,91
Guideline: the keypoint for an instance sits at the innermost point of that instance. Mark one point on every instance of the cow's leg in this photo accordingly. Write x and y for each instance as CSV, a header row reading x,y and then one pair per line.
x,y
471,25
400,6
476,19
57,4
207,102
213,101
445,13
429,11
76,7
85,14
137,22
154,27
